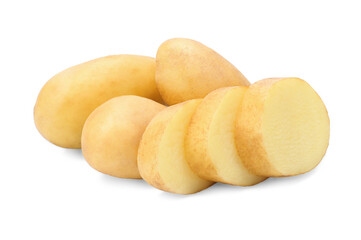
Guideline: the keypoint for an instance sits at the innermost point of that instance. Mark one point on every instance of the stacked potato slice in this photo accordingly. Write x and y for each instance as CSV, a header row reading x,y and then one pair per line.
x,y
215,127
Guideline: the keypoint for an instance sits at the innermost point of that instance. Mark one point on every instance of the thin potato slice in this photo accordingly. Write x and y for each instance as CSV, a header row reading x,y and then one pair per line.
x,y
210,144
161,155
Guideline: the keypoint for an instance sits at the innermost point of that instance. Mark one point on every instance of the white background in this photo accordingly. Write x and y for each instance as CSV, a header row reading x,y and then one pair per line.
x,y
51,193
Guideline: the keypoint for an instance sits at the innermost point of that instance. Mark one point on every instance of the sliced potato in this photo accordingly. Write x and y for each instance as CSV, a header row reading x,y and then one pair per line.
x,y
161,156
283,128
210,145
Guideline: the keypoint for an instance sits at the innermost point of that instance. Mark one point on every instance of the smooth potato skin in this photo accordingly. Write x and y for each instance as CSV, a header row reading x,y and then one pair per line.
x,y
187,69
112,134
67,99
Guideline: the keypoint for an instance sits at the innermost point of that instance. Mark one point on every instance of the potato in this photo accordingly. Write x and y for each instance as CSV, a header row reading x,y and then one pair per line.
x,y
210,145
112,133
283,128
186,69
66,100
161,156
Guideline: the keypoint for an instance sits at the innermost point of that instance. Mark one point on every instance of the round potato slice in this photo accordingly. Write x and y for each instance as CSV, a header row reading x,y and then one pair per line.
x,y
283,128
210,143
112,133
161,155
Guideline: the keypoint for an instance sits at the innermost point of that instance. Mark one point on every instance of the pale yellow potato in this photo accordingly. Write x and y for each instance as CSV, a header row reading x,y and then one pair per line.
x,y
186,69
283,128
67,99
161,156
112,132
210,145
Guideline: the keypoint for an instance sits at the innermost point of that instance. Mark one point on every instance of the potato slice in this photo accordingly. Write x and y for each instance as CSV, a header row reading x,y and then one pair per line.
x,y
161,156
112,133
210,145
283,128
186,69
68,98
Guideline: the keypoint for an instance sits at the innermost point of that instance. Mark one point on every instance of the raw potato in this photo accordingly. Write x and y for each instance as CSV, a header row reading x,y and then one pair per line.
x,y
161,156
210,145
112,133
186,69
283,128
66,100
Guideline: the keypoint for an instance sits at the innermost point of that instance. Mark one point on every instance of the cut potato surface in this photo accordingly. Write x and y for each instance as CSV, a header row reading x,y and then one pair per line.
x,y
112,134
186,69
283,128
67,99
210,143
161,155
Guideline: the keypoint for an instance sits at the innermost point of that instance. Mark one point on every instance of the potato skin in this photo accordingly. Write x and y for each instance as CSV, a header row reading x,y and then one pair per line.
x,y
67,99
187,69
112,133
149,147
197,137
249,125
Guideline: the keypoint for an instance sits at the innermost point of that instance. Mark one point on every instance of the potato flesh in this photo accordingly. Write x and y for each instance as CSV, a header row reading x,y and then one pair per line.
x,y
285,125
296,127
162,163
66,100
222,145
210,143
112,134
186,69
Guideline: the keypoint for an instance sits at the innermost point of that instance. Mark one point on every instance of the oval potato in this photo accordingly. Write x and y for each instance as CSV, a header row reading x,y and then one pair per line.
x,y
112,133
187,69
67,99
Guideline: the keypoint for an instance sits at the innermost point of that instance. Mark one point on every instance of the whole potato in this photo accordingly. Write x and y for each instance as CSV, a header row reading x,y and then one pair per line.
x,y
112,133
67,99
186,69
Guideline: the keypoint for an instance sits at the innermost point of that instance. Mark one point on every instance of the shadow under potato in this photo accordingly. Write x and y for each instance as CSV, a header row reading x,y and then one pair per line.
x,y
136,183
77,153
218,188
214,189
285,180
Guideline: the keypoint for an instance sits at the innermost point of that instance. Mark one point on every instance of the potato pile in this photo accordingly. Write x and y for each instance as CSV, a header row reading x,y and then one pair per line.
x,y
184,120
